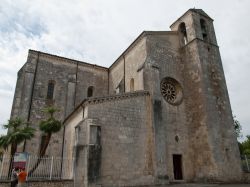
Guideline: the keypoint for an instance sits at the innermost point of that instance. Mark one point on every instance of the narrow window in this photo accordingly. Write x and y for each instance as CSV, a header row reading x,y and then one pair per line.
x,y
117,90
132,85
95,135
90,91
203,29
120,87
183,32
77,128
50,92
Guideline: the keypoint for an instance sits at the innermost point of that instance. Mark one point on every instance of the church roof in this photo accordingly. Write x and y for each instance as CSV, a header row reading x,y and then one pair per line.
x,y
142,35
61,58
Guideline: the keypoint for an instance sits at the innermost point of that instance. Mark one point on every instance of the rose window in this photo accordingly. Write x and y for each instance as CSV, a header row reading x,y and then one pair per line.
x,y
168,91
171,91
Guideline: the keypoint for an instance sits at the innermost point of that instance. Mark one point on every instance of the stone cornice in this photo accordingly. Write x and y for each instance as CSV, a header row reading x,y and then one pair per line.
x,y
109,98
96,100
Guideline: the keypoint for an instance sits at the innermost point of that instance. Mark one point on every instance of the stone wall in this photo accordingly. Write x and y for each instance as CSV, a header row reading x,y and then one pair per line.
x,y
171,130
134,60
70,142
116,77
127,67
245,178
215,153
71,79
126,140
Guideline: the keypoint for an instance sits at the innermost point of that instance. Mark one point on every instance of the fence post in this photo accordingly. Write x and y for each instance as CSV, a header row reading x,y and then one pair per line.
x,y
247,163
28,165
51,167
2,166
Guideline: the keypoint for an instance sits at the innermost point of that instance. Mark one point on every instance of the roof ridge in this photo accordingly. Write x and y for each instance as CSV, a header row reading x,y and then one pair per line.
x,y
66,59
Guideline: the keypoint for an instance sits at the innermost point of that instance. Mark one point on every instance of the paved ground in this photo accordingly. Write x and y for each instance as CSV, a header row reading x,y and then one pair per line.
x,y
209,185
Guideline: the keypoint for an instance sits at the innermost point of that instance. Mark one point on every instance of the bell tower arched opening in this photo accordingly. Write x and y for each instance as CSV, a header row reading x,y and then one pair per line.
x,y
183,34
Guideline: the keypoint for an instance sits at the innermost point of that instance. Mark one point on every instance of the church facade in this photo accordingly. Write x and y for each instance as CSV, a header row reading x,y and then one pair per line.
x,y
159,113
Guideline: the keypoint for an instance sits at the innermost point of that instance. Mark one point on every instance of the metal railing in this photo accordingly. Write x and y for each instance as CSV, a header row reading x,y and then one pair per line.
x,y
245,162
49,168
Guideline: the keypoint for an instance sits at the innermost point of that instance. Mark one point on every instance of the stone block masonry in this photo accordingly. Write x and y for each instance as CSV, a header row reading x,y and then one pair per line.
x,y
159,113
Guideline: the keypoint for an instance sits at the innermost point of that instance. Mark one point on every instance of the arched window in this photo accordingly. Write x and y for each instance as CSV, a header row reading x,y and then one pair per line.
x,y
90,91
203,29
132,85
183,32
50,91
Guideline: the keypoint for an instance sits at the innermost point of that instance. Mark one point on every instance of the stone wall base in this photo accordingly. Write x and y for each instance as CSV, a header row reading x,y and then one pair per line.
x,y
245,178
53,183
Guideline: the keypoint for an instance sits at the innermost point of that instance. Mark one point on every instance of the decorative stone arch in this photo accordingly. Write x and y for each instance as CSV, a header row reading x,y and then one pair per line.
x,y
204,29
183,34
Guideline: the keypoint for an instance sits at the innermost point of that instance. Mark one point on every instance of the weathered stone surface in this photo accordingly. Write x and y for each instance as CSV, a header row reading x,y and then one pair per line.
x,y
162,110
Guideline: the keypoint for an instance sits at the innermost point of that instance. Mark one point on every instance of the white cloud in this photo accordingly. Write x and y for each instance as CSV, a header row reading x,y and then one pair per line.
x,y
97,31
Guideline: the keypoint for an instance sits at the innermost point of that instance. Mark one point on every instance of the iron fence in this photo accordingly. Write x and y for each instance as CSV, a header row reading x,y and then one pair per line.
x,y
49,168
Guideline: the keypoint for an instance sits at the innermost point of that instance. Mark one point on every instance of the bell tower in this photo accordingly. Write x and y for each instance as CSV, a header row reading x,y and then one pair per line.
x,y
208,110
195,24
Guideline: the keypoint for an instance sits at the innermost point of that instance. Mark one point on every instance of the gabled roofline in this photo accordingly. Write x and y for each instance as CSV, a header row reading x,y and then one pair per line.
x,y
67,59
128,48
198,11
144,33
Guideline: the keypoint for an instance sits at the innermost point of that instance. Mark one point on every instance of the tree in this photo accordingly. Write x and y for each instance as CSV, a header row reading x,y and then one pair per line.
x,y
48,127
237,127
18,132
246,146
1,152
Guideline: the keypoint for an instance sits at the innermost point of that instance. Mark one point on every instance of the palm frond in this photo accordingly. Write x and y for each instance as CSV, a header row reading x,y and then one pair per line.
x,y
18,132
4,142
50,110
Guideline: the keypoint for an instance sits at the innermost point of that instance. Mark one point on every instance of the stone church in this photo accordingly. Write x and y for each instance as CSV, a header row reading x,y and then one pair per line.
x,y
160,113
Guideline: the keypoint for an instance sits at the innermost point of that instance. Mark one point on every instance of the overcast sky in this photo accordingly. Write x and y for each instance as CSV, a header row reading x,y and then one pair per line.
x,y
98,31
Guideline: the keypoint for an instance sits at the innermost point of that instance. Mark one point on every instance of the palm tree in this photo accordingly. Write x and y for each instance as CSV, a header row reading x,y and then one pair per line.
x,y
18,132
1,152
48,127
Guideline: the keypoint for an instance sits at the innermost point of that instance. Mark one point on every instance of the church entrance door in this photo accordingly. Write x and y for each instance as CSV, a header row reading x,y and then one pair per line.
x,y
177,163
